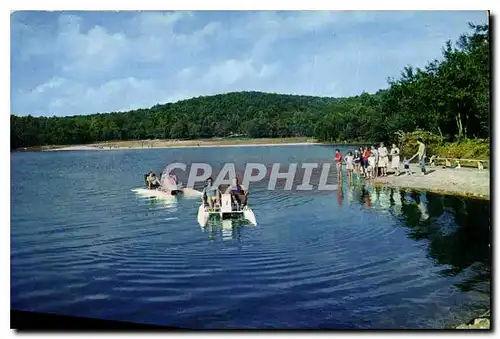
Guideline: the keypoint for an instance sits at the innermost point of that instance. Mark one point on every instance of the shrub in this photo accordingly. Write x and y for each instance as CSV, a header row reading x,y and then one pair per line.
x,y
409,146
467,149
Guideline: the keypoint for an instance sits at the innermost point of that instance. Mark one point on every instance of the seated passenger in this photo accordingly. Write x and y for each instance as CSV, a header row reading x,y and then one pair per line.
x,y
239,193
211,194
146,178
169,182
153,181
173,177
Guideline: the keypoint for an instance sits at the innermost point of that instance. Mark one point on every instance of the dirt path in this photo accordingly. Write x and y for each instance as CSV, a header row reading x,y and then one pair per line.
x,y
461,181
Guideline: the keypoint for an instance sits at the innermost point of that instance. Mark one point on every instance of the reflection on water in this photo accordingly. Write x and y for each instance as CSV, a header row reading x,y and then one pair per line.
x,y
169,203
340,193
356,258
395,202
455,229
229,229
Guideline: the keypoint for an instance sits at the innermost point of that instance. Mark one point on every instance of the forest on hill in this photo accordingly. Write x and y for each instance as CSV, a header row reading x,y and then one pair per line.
x,y
448,97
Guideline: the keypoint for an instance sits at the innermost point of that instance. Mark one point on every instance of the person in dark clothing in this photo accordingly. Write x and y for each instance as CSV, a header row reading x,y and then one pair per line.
x,y
239,193
152,181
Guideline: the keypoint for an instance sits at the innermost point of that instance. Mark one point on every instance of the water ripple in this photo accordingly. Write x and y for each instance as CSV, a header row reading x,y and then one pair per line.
x,y
359,258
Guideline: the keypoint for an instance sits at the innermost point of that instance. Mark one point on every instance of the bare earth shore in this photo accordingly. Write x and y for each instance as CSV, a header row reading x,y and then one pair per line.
x,y
456,181
145,144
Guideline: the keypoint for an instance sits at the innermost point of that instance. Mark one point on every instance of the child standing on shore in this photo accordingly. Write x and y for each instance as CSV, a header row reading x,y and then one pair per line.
x,y
372,166
349,165
406,163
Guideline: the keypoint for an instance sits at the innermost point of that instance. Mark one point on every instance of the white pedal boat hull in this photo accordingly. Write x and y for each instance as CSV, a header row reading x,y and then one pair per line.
x,y
225,209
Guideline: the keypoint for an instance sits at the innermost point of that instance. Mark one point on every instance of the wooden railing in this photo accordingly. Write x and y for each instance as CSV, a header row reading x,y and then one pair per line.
x,y
479,163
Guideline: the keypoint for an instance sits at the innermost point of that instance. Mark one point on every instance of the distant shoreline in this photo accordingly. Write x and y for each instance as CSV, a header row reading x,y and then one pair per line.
x,y
108,148
202,143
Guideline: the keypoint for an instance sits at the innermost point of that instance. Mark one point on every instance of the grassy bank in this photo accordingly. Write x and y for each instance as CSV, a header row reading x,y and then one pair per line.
x,y
464,150
469,149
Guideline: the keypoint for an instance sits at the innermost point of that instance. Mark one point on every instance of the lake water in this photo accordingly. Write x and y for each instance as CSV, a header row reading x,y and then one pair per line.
x,y
82,243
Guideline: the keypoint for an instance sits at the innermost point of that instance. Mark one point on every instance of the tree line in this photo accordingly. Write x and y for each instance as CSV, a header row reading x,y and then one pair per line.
x,y
448,97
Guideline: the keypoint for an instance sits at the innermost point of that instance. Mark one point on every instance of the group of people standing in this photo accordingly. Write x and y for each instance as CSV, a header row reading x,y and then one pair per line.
x,y
369,162
372,162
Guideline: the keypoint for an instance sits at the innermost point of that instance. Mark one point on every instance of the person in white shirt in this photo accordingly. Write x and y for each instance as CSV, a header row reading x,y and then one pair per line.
x,y
421,153
211,194
395,158
383,159
349,165
372,165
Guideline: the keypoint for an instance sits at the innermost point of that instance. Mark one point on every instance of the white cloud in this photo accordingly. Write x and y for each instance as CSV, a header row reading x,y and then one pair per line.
x,y
82,52
157,36
65,96
97,50
187,73
53,83
283,24
229,72
147,22
265,28
156,57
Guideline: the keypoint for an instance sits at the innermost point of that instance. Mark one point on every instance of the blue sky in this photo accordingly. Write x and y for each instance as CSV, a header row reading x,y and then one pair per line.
x,y
66,63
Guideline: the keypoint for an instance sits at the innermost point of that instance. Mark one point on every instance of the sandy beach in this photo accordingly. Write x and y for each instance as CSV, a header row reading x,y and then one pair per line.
x,y
95,148
148,144
74,148
457,181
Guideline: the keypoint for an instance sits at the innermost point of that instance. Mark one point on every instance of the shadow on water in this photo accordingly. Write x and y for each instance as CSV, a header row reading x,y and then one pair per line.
x,y
170,203
456,230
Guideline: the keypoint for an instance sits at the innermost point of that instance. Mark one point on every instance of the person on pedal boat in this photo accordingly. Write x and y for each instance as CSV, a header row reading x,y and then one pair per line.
x,y
211,194
146,178
239,193
152,181
173,177
169,184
